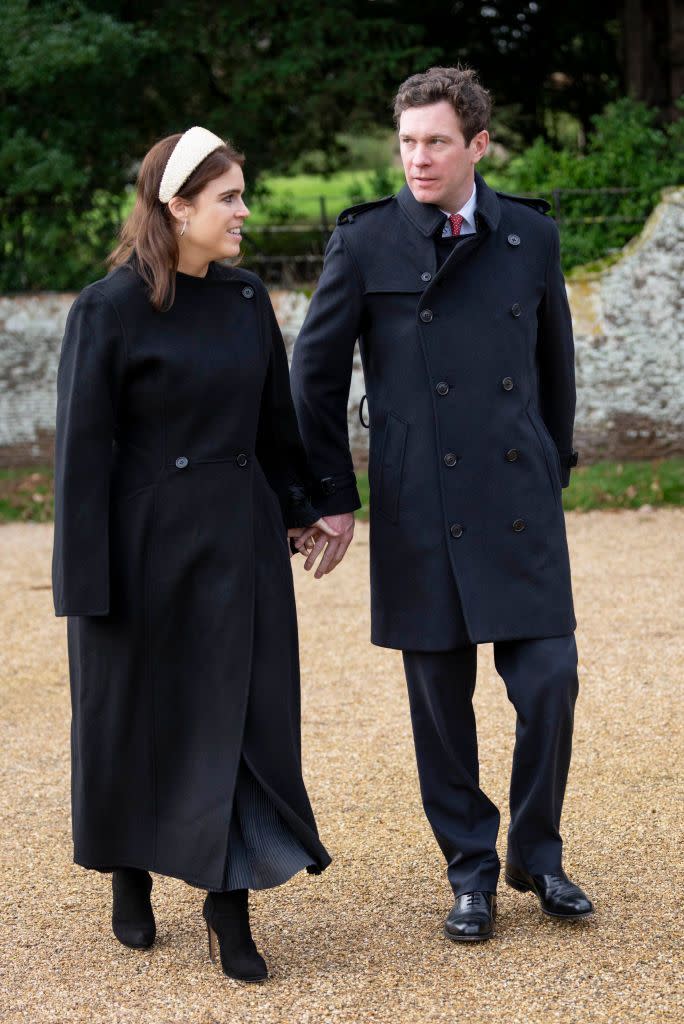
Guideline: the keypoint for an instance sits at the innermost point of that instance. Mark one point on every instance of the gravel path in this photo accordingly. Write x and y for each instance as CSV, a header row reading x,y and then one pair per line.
x,y
363,942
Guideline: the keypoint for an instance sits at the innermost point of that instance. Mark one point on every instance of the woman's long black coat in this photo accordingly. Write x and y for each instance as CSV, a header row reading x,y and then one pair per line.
x,y
178,467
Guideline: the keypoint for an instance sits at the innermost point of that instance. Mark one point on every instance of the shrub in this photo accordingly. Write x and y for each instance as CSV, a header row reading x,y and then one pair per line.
x,y
627,149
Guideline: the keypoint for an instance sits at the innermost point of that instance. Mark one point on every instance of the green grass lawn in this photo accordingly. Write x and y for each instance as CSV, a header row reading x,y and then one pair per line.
x,y
297,197
26,495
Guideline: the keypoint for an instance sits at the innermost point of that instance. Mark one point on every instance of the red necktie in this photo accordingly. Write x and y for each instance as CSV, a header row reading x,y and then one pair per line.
x,y
456,220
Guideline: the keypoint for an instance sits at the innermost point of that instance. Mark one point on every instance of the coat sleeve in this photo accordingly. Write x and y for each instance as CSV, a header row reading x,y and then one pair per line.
x,y
322,365
279,447
89,376
556,360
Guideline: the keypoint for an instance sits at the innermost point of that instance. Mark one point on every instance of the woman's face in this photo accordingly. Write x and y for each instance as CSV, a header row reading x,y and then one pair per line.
x,y
214,218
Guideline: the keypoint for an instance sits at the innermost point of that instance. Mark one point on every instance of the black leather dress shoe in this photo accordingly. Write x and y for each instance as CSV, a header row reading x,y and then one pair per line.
x,y
557,895
472,917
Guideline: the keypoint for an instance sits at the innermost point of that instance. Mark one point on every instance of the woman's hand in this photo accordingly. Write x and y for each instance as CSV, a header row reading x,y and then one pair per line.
x,y
305,537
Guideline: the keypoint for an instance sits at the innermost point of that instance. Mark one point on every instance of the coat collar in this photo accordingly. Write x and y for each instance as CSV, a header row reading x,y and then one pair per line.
x,y
428,218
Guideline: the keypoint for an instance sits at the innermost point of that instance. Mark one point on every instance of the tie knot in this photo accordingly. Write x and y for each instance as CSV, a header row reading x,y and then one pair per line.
x,y
456,221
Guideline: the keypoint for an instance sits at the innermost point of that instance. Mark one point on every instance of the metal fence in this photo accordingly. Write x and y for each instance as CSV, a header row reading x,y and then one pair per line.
x,y
593,223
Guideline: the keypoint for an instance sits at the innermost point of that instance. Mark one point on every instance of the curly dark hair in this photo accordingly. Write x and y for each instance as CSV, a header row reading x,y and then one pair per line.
x,y
459,86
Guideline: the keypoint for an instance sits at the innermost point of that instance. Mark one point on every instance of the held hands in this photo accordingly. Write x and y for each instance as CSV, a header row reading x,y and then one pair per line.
x,y
303,538
331,535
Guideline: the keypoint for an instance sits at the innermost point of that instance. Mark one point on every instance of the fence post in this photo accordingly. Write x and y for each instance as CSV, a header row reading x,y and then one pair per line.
x,y
325,229
556,205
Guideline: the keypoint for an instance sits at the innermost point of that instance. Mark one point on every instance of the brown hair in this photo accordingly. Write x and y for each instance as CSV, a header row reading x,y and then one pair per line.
x,y
459,86
149,234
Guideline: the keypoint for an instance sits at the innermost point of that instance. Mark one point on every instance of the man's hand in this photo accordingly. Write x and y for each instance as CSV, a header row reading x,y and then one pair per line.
x,y
333,541
304,537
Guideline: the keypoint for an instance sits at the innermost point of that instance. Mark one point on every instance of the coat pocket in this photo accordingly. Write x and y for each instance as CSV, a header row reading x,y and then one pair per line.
x,y
548,446
391,466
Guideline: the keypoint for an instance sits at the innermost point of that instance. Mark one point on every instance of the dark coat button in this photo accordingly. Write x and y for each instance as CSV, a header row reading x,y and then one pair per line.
x,y
518,525
242,460
516,309
426,316
426,276
456,530
450,459
514,239
248,291
511,454
442,388
507,383
181,462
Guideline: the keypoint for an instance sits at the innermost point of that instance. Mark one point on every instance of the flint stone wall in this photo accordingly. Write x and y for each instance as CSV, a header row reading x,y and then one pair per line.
x,y
629,344
629,341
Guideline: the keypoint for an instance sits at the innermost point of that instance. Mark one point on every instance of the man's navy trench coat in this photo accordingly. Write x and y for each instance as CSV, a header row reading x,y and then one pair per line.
x,y
178,466
469,370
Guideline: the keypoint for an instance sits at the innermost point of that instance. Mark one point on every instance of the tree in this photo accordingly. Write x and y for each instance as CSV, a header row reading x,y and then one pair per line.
x,y
653,53
70,121
86,86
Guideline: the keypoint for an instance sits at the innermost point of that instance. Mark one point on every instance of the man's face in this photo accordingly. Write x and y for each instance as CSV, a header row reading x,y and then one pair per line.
x,y
438,165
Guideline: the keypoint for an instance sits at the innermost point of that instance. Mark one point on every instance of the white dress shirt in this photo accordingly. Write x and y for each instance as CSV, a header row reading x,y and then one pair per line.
x,y
467,211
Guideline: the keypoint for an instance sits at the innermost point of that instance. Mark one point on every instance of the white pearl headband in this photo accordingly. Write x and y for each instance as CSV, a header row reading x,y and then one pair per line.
x,y
191,149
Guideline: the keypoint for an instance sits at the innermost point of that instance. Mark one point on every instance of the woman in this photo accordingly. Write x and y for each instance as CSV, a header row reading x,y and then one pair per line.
x,y
179,474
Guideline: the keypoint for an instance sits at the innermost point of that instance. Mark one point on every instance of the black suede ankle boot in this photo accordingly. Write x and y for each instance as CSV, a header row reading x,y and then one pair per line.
x,y
132,917
227,917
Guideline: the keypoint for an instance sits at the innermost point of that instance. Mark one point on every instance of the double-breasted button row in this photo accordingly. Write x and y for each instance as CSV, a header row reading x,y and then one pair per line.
x,y
181,462
427,316
456,530
442,388
241,460
426,276
450,459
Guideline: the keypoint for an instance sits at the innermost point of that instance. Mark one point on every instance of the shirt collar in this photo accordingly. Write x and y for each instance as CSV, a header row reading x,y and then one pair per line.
x,y
467,211
427,218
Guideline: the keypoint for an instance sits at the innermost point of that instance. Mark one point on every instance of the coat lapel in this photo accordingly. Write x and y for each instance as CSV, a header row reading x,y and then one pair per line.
x,y
428,220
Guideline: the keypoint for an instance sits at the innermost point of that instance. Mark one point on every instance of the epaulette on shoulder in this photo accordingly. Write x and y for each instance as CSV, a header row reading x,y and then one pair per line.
x,y
348,216
540,205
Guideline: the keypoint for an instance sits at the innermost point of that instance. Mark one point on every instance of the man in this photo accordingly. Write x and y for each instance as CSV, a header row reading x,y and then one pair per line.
x,y
456,294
